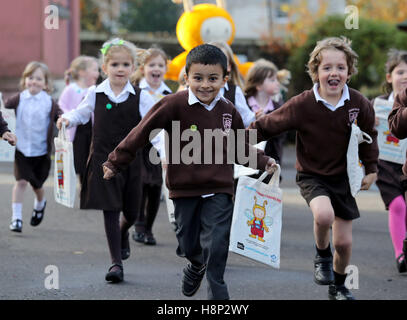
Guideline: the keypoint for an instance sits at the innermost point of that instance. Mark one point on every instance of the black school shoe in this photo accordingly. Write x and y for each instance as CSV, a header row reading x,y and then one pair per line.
x,y
37,216
138,236
149,239
339,292
192,279
323,270
125,252
401,263
115,276
16,225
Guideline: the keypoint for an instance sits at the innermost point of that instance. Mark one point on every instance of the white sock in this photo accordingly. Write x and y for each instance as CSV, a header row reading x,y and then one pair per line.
x,y
17,211
39,205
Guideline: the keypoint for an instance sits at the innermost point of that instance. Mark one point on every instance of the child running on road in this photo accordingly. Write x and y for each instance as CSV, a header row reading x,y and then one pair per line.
x,y
202,191
390,180
117,107
322,117
36,113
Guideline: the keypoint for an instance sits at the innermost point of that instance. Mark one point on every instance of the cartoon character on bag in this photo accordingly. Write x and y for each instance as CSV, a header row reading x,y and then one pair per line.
x,y
60,171
258,220
390,138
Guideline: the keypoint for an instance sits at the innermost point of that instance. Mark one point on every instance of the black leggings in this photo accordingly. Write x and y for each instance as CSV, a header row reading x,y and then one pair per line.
x,y
117,230
150,203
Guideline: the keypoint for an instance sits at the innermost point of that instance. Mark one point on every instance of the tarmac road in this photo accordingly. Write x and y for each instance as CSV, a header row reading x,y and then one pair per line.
x,y
74,242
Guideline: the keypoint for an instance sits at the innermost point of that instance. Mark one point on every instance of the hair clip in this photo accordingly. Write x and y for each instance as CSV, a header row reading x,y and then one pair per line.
x,y
106,47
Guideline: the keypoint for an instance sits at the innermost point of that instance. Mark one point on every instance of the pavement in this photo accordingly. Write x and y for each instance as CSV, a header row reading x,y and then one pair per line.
x,y
66,257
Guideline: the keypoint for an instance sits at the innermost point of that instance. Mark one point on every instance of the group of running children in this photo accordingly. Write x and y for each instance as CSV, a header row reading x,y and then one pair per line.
x,y
110,125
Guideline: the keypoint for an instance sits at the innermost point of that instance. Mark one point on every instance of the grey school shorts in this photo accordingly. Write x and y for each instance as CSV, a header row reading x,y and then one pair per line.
x,y
335,187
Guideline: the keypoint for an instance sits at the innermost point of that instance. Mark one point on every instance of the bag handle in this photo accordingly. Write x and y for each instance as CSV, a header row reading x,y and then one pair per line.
x,y
366,138
275,179
361,135
62,132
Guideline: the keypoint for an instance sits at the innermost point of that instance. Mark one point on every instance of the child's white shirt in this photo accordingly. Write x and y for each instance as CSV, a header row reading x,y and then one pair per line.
x,y
248,116
391,97
32,121
158,94
345,96
159,140
192,99
83,112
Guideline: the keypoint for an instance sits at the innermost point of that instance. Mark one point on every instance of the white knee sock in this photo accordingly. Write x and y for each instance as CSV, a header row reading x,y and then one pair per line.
x,y
17,211
39,205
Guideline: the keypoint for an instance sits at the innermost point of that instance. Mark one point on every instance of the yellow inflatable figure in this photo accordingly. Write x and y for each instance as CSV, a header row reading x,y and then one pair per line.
x,y
200,24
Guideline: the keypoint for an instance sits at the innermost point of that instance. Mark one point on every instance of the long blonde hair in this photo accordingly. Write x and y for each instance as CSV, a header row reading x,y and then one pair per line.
x,y
143,57
116,44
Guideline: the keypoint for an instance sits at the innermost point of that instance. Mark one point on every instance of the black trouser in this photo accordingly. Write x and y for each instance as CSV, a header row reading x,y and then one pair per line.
x,y
203,236
150,203
116,231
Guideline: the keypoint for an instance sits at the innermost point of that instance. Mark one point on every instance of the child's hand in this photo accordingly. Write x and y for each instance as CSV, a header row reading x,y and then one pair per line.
x,y
259,114
10,138
59,123
271,166
368,180
107,173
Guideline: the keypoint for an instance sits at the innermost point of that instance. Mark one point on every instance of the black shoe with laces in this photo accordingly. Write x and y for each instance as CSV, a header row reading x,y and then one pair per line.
x,y
339,292
115,273
192,279
16,225
37,216
323,270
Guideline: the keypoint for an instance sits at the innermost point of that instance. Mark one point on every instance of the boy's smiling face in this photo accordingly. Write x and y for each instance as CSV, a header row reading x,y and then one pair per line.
x,y
332,74
205,81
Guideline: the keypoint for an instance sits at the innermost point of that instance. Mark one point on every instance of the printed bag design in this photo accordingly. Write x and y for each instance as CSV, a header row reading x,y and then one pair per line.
x,y
257,219
390,148
64,170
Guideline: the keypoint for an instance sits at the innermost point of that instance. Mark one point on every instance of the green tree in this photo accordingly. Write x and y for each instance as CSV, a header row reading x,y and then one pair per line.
x,y
90,16
371,42
150,16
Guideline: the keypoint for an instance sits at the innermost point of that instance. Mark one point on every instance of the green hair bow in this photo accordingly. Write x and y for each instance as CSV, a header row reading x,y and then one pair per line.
x,y
107,46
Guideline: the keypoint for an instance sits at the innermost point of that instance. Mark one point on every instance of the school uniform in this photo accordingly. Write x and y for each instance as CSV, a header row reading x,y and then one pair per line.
x,y
235,95
81,135
398,119
323,133
274,146
114,117
202,193
390,175
35,118
151,173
